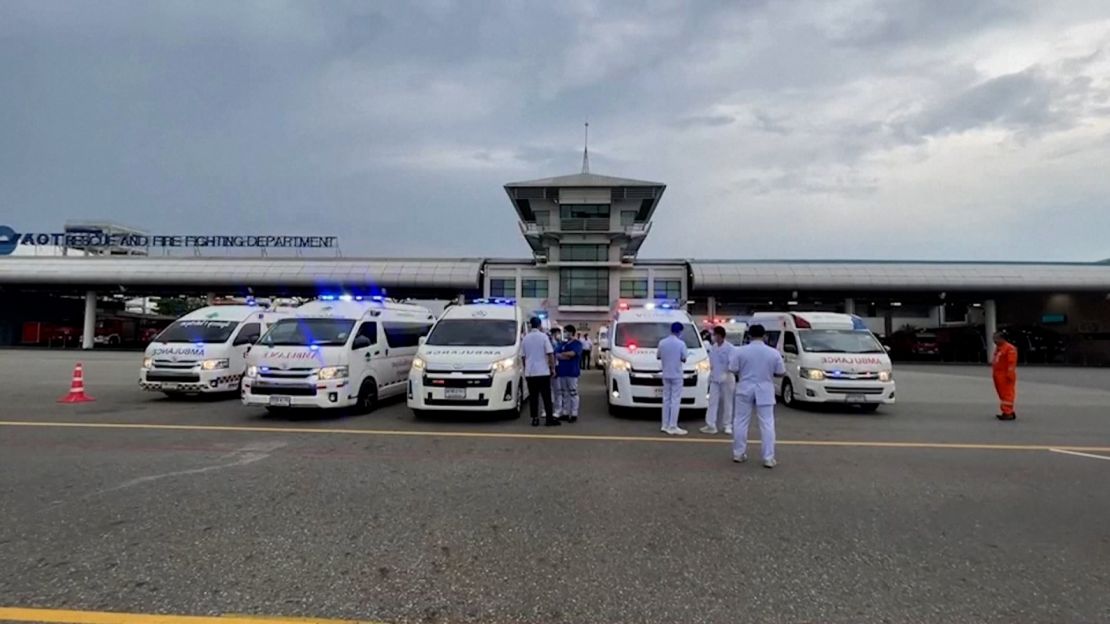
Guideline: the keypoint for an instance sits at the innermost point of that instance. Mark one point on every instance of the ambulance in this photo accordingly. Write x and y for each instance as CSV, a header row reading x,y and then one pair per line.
x,y
336,352
830,358
205,351
471,361
632,371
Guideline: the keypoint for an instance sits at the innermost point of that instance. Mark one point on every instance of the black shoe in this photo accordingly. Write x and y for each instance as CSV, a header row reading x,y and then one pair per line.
x,y
573,419
564,418
535,422
552,422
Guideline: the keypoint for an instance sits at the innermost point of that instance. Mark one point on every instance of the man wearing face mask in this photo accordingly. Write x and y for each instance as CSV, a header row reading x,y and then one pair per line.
x,y
722,385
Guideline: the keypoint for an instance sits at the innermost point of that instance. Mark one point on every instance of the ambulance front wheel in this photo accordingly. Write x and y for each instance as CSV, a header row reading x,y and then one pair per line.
x,y
788,394
367,396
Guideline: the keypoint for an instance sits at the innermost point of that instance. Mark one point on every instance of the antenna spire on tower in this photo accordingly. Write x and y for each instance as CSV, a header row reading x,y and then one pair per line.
x,y
586,151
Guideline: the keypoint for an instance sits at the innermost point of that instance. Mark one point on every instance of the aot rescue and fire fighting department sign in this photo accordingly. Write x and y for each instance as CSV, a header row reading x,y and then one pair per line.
x,y
10,239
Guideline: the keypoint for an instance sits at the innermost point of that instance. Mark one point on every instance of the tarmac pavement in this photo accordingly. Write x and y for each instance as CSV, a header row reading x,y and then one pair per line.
x,y
926,511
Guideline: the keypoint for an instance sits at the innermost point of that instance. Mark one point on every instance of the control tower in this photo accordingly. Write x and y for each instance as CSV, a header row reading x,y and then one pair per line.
x,y
585,231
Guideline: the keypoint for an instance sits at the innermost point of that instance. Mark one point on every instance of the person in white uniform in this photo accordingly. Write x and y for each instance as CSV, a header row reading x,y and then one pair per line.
x,y
757,365
539,368
672,355
722,385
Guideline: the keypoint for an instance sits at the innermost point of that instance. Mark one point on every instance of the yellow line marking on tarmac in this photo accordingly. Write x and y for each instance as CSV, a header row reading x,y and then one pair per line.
x,y
19,614
551,436
1068,451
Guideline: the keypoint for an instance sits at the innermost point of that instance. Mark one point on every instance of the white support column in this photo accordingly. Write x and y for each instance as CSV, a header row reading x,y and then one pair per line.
x,y
849,306
211,298
990,323
88,338
711,307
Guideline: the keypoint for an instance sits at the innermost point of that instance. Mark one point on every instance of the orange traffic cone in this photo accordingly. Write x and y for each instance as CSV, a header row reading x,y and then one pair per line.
x,y
77,388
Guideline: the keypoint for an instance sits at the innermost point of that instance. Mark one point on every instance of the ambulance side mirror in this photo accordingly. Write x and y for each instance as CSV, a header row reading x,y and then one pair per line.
x,y
421,340
887,347
790,349
361,342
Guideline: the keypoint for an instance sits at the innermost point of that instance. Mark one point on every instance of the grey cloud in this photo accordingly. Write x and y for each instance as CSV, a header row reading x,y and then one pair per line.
x,y
363,119
710,121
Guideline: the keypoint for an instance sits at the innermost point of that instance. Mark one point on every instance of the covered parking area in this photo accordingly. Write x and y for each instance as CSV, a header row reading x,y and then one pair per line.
x,y
1055,312
61,288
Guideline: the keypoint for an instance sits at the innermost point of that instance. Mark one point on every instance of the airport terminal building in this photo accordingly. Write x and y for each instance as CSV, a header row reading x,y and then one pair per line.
x,y
585,231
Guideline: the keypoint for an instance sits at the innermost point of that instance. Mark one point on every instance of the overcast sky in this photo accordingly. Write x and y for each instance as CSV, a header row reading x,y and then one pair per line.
x,y
930,129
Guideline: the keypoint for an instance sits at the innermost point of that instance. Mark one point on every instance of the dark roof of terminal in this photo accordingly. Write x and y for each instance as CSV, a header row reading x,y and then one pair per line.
x,y
580,180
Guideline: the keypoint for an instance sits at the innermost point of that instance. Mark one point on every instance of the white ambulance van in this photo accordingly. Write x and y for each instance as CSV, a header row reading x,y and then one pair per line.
x,y
632,372
471,361
830,358
602,346
204,351
336,352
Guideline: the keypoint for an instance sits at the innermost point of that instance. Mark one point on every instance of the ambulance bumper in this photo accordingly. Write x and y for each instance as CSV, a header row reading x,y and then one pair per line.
x,y
297,393
464,392
645,390
847,391
188,381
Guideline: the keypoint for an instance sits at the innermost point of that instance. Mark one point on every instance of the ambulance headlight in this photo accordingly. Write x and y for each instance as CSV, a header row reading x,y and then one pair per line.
x,y
618,364
148,362
252,372
504,366
332,372
214,364
418,363
886,375
702,367
812,374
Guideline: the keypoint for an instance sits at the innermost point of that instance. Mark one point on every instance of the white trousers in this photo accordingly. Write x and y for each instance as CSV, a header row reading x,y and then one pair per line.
x,y
743,416
672,402
567,391
718,414
556,400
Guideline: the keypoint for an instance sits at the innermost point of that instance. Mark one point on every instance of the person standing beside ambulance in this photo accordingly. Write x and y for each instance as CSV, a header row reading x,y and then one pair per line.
x,y
758,365
722,385
671,354
568,366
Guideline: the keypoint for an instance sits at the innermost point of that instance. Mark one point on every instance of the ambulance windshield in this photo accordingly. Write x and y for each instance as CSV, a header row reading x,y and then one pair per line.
x,y
648,335
302,332
839,341
200,330
473,333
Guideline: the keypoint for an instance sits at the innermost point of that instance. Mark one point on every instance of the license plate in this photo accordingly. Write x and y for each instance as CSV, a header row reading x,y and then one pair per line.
x,y
170,386
857,398
455,394
658,393
278,400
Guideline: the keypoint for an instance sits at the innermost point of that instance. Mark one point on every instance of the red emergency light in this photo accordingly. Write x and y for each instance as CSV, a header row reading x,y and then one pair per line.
x,y
800,322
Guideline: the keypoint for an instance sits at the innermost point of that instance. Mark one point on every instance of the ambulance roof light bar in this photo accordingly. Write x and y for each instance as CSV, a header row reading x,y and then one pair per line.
x,y
495,301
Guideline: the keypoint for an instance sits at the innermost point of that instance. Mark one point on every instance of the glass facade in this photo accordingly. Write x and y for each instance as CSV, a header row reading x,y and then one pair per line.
x,y
668,289
533,288
634,288
584,253
584,287
502,287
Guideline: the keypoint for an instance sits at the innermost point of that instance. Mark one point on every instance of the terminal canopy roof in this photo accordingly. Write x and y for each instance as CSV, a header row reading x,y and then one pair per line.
x,y
713,275
187,273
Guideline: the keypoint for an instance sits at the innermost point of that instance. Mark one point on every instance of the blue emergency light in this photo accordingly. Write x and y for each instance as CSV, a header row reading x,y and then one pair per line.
x,y
858,324
496,301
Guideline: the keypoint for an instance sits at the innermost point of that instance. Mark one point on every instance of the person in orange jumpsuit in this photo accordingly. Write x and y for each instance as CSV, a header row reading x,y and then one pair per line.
x,y
1004,369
